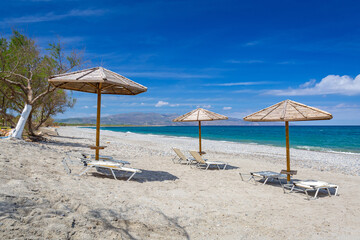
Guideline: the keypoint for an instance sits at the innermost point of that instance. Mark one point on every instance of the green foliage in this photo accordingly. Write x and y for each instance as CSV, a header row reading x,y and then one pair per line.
x,y
24,74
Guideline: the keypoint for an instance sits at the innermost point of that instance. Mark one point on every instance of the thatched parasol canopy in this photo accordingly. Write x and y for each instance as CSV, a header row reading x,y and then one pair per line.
x,y
287,111
97,80
87,80
199,115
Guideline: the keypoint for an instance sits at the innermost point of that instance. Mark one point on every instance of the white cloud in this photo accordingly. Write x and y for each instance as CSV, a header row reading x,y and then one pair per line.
x,y
308,84
286,62
244,61
102,105
227,108
332,84
161,103
172,75
239,84
86,107
240,115
203,106
53,17
253,43
248,91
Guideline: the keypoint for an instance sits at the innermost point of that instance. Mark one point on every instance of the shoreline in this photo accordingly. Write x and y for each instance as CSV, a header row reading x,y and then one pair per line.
x,y
336,161
299,147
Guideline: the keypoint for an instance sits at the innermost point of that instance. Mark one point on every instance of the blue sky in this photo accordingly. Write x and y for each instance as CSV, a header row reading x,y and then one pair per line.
x,y
231,57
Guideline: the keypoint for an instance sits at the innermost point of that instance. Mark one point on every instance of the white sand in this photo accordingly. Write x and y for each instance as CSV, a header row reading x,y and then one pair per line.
x,y
38,200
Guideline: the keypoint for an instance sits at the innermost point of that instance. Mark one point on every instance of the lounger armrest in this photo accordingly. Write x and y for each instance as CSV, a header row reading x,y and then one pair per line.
x,y
130,169
291,172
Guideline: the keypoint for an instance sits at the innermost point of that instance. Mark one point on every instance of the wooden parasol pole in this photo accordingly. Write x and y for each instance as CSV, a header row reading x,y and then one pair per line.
x,y
287,150
200,137
98,122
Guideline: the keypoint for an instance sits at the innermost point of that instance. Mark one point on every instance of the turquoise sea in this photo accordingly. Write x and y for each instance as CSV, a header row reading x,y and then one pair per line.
x,y
315,138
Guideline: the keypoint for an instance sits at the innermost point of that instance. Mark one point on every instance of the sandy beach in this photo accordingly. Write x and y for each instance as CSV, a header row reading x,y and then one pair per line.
x,y
39,200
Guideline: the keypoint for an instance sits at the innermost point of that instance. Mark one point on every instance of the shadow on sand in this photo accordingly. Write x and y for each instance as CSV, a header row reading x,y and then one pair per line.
x,y
154,224
144,176
66,144
67,137
228,167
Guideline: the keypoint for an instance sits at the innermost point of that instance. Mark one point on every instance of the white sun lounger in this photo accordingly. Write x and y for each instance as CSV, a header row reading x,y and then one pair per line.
x,y
181,157
111,166
201,162
313,185
90,157
266,176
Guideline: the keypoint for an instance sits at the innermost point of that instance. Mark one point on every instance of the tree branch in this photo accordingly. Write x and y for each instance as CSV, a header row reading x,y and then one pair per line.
x,y
49,90
15,83
15,74
13,90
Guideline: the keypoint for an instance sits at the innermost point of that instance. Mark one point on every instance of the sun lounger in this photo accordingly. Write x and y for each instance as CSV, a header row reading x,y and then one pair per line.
x,y
201,162
111,166
90,157
266,176
313,185
181,157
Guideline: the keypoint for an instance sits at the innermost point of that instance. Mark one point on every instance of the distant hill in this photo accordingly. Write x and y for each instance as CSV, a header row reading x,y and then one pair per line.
x,y
153,119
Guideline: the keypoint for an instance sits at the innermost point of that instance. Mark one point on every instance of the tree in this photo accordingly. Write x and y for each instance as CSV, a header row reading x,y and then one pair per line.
x,y
24,74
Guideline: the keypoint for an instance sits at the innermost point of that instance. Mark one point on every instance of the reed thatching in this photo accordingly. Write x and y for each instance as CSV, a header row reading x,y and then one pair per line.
x,y
200,114
100,81
287,111
88,79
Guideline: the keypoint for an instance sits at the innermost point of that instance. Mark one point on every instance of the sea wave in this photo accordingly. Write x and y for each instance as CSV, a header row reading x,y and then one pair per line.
x,y
322,149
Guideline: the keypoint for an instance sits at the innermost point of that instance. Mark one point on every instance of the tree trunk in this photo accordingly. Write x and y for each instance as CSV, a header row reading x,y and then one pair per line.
x,y
17,133
30,126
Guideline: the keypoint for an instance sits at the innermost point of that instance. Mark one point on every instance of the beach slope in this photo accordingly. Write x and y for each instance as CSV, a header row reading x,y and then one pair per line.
x,y
39,200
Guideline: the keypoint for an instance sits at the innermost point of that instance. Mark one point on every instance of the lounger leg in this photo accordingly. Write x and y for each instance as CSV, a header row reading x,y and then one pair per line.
x,y
208,165
112,172
131,176
336,190
307,194
218,166
317,192
292,189
241,177
252,177
84,171
225,166
328,192
266,179
175,159
67,169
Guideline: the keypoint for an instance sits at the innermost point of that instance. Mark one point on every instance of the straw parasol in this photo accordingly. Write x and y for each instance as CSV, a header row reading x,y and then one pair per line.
x,y
287,111
97,80
199,115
